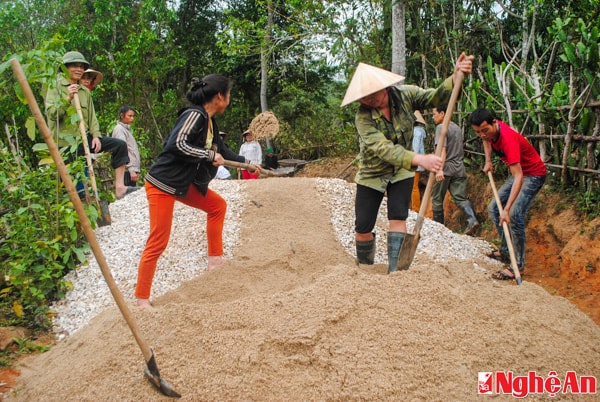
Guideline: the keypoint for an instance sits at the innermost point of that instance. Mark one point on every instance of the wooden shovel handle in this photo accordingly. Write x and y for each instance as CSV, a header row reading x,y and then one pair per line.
x,y
250,167
240,165
78,205
86,145
438,149
509,243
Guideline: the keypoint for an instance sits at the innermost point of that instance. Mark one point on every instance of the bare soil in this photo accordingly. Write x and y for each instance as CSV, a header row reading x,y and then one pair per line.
x,y
292,317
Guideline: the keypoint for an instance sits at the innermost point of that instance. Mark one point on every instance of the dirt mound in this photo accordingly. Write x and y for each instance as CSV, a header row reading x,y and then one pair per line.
x,y
292,317
563,250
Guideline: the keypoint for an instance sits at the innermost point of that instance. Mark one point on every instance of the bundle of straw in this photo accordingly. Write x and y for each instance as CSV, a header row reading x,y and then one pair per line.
x,y
264,125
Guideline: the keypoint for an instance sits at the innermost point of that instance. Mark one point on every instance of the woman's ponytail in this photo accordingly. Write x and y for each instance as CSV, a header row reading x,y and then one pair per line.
x,y
203,90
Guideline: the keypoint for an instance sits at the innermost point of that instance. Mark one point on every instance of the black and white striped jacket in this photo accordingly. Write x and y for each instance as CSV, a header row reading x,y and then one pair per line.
x,y
185,159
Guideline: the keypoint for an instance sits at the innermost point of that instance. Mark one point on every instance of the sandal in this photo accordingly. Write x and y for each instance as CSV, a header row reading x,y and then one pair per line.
x,y
504,276
130,189
498,256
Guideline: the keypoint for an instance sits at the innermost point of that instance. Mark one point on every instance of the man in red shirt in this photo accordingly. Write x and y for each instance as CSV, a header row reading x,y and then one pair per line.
x,y
528,174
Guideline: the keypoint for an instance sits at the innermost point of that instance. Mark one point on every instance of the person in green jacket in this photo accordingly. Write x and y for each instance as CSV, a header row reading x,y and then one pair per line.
x,y
384,122
59,99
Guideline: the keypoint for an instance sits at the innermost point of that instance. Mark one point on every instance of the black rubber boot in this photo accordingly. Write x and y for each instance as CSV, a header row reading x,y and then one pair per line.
x,y
438,216
472,222
365,251
395,240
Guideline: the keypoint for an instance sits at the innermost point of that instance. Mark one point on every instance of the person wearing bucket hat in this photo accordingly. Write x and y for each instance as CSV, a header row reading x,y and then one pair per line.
x,y
91,78
384,122
75,57
59,99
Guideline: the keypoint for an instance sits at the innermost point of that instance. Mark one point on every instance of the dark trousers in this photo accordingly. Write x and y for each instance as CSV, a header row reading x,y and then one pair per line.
x,y
116,147
368,201
127,179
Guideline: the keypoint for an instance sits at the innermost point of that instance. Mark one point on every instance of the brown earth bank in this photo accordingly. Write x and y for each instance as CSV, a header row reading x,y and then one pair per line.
x,y
292,318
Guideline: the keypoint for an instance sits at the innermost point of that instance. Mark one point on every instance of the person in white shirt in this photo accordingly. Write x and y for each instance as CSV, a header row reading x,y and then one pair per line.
x,y
223,173
122,131
252,151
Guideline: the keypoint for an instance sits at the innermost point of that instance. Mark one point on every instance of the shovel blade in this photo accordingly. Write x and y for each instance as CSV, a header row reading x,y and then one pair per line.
x,y
152,373
407,252
105,219
162,385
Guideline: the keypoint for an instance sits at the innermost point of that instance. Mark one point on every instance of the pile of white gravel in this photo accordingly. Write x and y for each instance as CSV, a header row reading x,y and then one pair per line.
x,y
123,241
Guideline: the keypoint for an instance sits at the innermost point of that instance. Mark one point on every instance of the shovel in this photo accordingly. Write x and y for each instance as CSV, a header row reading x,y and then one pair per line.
x,y
409,245
151,371
252,169
509,243
102,205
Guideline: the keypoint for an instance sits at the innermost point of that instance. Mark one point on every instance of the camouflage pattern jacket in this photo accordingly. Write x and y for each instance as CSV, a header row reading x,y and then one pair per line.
x,y
58,113
384,146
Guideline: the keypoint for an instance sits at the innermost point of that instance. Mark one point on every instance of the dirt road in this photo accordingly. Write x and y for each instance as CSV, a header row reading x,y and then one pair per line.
x,y
292,317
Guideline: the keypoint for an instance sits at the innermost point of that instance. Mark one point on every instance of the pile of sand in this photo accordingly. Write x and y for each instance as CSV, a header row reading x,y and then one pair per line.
x,y
292,317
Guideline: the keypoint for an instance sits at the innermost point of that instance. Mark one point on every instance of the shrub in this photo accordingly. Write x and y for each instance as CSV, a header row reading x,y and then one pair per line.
x,y
42,242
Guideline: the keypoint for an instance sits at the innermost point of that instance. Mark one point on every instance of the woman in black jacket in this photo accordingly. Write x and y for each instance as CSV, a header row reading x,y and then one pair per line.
x,y
182,171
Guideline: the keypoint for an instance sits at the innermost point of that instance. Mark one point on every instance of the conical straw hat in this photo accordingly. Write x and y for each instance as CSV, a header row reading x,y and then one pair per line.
x,y
420,118
368,79
95,77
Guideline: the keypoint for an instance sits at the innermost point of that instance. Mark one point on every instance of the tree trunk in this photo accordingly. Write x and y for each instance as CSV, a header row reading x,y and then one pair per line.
x,y
570,128
265,51
425,83
593,161
537,87
398,37
264,80
264,64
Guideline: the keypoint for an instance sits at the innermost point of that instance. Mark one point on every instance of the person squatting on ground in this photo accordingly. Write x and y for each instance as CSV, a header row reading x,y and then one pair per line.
x,y
183,171
252,151
123,132
528,174
453,176
58,100
418,146
271,161
384,122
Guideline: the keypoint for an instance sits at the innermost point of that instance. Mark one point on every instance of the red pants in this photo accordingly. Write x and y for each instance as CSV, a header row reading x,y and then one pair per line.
x,y
246,175
161,207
